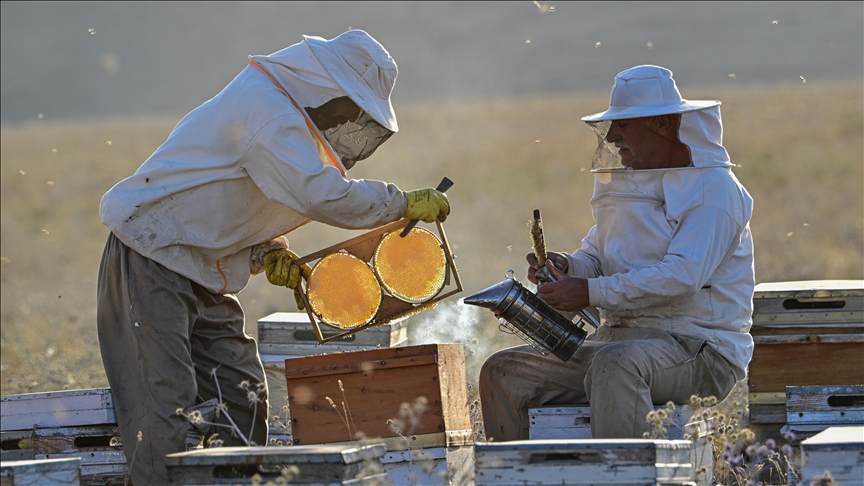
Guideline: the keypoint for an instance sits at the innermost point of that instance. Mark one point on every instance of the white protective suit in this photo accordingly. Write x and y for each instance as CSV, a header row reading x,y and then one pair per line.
x,y
244,168
672,249
234,175
670,264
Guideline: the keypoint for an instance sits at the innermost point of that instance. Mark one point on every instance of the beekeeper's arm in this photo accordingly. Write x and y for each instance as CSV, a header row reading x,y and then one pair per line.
x,y
704,237
283,162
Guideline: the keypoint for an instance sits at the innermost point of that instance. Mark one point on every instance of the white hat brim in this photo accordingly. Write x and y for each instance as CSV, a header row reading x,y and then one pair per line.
x,y
625,112
380,109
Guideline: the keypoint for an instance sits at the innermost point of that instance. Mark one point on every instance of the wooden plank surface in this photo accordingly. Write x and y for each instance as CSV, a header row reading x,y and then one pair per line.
x,y
776,366
57,409
372,398
49,472
376,385
304,367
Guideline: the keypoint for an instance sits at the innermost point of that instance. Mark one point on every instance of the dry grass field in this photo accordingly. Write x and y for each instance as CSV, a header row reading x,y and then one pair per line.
x,y
798,148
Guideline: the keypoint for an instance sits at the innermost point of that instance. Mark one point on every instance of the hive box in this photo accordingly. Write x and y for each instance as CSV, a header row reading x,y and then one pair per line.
x,y
808,333
93,406
67,424
574,422
314,464
51,472
284,335
370,387
584,462
837,450
812,409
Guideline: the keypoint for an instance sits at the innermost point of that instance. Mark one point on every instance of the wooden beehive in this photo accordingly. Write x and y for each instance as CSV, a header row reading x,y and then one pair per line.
x,y
376,384
808,333
69,424
584,462
838,451
812,409
284,335
60,472
574,422
313,464
93,406
98,446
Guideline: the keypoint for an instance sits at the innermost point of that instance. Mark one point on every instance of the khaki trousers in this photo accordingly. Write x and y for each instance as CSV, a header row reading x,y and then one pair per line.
x,y
161,336
621,372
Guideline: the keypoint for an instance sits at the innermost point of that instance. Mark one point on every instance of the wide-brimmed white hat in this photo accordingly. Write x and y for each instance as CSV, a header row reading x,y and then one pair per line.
x,y
363,69
646,91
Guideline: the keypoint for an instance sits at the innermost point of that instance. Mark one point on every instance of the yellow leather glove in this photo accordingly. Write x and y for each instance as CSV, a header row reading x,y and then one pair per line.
x,y
427,205
280,269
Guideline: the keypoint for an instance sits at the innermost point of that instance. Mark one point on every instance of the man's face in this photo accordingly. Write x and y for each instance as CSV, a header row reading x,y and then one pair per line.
x,y
644,143
334,113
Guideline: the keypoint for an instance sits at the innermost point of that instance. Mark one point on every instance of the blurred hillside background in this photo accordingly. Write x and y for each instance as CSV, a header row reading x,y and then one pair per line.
x,y
488,94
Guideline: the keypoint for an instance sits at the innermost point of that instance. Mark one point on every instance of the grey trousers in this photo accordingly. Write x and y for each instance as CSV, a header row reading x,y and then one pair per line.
x,y
161,336
621,372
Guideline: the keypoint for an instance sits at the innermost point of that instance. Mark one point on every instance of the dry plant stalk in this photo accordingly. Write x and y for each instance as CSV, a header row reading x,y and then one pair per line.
x,y
537,240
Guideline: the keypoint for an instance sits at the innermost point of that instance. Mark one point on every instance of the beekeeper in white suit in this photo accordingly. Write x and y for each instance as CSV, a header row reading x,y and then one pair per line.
x,y
210,207
669,263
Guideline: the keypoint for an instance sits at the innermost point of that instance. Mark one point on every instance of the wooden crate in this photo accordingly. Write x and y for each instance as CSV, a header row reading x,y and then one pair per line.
x,y
838,450
16,445
68,408
284,335
812,409
376,384
584,462
311,464
98,446
49,472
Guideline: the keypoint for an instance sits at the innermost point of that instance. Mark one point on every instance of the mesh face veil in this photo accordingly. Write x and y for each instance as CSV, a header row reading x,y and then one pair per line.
x,y
355,141
606,156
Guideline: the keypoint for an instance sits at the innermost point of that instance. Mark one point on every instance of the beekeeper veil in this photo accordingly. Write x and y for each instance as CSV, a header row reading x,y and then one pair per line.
x,y
645,91
353,64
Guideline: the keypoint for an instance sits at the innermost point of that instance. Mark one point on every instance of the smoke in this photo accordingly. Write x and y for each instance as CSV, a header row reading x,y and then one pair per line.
x,y
455,322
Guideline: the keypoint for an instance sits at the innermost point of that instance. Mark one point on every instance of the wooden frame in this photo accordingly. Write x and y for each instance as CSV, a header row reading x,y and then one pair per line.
x,y
363,247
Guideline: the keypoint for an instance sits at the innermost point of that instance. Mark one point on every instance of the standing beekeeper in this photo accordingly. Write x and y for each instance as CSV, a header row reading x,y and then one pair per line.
x,y
210,207
669,262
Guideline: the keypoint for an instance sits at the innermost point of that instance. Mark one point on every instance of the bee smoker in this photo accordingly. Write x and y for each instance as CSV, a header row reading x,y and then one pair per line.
x,y
524,314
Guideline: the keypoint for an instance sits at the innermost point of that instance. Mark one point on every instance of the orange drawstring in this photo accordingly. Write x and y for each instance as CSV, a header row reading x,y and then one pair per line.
x,y
312,128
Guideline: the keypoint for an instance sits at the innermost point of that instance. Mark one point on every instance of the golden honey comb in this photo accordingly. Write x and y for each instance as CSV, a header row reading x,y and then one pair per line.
x,y
343,291
411,268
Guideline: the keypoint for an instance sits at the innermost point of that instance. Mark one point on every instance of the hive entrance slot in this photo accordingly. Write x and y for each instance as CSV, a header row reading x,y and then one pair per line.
x,y
93,441
846,400
804,304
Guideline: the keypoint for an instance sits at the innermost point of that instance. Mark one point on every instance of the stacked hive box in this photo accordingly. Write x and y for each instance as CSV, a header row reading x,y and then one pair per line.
x,y
585,462
574,422
286,335
807,333
377,394
72,423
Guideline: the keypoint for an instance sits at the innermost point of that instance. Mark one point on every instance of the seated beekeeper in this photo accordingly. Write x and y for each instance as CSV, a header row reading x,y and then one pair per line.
x,y
669,262
209,208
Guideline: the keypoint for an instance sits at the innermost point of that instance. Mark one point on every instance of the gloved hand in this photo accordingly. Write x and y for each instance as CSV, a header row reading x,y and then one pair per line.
x,y
427,205
281,270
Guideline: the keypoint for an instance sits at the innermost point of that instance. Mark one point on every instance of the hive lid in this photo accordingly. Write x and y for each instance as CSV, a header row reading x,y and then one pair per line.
x,y
299,454
809,289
